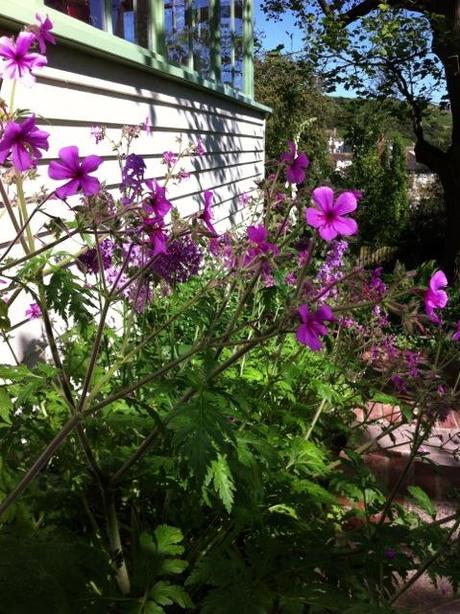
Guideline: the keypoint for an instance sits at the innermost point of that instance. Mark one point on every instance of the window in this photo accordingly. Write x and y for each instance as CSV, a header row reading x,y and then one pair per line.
x,y
89,11
205,36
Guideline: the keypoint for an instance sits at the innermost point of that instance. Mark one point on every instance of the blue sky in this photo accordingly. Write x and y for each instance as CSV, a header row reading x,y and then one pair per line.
x,y
284,32
277,32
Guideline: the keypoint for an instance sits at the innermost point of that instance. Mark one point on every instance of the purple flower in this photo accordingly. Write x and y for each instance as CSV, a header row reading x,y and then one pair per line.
x,y
24,141
132,177
207,215
329,216
312,327
182,261
98,133
244,199
158,238
435,297
34,311
70,167
296,164
182,175
258,236
329,272
16,61
90,260
200,149
169,158
42,32
456,335
147,125
156,205
390,553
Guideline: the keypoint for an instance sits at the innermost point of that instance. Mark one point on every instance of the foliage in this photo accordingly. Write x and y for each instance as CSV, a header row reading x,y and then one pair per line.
x,y
190,439
300,111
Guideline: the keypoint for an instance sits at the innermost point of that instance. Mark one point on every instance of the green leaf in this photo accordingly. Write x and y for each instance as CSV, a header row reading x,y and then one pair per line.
x,y
286,510
173,566
221,476
168,540
164,593
5,405
422,499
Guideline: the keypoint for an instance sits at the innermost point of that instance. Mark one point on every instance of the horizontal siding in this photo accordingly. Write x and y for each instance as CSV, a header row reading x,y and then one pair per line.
x,y
77,91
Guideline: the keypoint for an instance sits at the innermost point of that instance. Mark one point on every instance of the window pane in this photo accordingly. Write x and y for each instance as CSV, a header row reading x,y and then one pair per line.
x,y
201,38
177,31
231,38
89,11
123,22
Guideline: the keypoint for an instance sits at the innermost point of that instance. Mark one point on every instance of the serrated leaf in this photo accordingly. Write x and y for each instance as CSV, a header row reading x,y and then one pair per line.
x,y
286,510
5,405
164,593
422,499
222,479
173,566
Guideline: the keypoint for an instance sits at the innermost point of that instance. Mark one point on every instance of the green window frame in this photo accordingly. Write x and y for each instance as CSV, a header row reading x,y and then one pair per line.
x,y
76,33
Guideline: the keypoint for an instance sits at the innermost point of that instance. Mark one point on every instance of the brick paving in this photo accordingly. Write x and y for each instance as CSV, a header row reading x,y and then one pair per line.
x,y
436,469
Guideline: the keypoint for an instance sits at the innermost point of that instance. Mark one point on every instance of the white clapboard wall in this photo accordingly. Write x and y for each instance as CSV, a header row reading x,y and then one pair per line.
x,y
77,91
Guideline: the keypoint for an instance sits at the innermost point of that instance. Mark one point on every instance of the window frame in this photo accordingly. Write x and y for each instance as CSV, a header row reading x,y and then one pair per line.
x,y
78,34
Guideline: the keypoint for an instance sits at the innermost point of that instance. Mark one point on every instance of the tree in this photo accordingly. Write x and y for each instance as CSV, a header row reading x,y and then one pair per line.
x,y
406,48
301,112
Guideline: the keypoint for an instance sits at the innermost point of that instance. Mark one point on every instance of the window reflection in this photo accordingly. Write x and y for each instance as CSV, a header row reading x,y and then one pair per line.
x,y
187,30
89,11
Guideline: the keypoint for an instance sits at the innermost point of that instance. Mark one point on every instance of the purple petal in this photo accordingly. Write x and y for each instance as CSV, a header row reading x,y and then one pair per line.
x,y
345,225
323,197
21,158
57,170
324,313
303,313
23,42
257,234
295,174
69,157
315,217
90,185
328,232
91,163
69,188
438,280
345,203
305,336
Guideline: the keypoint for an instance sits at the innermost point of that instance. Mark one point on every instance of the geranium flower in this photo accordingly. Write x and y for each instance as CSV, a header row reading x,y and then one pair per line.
x,y
24,141
312,327
207,215
200,149
42,32
156,204
296,164
169,158
33,312
258,235
16,61
70,167
435,297
456,335
329,215
157,236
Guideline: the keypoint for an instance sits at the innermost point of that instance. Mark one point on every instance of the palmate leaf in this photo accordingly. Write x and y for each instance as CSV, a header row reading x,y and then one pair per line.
x,y
67,297
221,477
164,593
200,429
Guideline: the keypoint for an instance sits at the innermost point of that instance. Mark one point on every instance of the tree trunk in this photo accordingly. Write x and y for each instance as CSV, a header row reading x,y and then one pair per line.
x,y
446,45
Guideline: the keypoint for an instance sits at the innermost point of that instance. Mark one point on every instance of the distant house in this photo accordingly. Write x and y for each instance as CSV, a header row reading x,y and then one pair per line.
x,y
420,176
185,67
